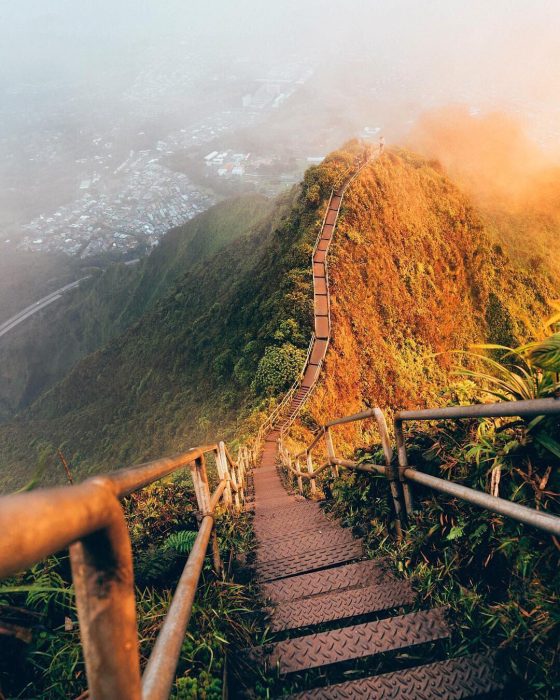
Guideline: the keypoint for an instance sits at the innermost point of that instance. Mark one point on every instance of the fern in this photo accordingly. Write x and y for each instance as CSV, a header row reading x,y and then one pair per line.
x,y
181,542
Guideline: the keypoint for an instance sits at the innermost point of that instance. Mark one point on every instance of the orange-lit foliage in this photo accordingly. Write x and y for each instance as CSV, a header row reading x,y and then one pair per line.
x,y
413,274
514,182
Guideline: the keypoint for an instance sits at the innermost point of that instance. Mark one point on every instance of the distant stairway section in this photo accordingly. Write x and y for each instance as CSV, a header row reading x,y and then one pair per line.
x,y
330,606
288,410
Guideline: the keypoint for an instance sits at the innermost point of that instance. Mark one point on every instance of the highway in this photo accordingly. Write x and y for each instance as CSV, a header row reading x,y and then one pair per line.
x,y
29,311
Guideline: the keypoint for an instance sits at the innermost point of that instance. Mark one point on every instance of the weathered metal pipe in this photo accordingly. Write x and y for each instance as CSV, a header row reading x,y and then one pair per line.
x,y
36,524
529,516
361,466
215,499
159,674
504,409
89,518
105,599
126,481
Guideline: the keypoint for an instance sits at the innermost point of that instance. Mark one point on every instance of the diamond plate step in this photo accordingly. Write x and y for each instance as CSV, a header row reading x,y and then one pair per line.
x,y
357,575
301,543
309,561
358,641
292,520
301,507
455,679
288,535
340,605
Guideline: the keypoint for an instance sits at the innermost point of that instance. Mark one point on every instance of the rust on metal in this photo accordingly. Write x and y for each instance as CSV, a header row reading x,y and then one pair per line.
x,y
89,519
309,561
159,675
340,578
304,542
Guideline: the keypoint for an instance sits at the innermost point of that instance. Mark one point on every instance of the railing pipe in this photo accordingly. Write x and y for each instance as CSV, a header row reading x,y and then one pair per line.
x,y
505,409
159,675
529,516
88,517
376,413
126,481
362,466
312,481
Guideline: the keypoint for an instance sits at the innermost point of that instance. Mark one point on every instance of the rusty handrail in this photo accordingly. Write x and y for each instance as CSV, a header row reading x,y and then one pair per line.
x,y
89,519
159,674
400,477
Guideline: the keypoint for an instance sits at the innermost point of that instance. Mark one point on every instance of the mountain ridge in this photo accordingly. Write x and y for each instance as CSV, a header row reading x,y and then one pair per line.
x,y
193,366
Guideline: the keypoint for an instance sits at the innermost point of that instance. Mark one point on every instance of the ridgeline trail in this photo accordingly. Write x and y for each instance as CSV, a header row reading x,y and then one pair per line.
x,y
313,574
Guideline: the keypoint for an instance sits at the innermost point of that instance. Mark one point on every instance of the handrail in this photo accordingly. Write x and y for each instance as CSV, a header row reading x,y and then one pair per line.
x,y
89,519
400,477
534,407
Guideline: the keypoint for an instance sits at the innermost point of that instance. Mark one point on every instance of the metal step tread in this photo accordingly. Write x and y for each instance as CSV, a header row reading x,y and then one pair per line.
x,y
309,561
356,575
302,543
332,528
455,679
340,604
358,641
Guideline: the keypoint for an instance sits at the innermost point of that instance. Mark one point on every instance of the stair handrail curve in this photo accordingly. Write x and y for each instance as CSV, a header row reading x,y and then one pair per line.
x,y
401,475
277,412
89,520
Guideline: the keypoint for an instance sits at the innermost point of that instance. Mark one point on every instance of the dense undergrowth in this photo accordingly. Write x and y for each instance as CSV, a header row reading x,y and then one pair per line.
x,y
40,651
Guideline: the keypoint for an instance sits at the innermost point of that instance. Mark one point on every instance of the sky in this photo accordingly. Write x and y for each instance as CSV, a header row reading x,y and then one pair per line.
x,y
507,45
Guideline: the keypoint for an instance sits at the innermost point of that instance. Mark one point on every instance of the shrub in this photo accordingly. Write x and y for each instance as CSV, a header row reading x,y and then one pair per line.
x,y
278,368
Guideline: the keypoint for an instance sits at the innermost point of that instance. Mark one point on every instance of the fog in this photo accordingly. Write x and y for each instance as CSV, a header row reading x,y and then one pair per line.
x,y
108,108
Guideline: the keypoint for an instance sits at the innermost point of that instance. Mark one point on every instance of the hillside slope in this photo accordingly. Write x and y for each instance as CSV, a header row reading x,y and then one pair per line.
x,y
187,365
515,184
413,273
40,352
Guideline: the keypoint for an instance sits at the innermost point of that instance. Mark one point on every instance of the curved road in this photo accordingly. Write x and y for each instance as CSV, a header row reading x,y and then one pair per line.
x,y
29,311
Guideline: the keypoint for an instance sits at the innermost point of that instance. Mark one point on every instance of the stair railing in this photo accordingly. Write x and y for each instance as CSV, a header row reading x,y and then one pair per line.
x,y
89,520
401,475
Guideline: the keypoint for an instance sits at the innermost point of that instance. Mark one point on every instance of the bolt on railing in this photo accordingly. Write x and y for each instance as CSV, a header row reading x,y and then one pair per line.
x,y
401,476
88,519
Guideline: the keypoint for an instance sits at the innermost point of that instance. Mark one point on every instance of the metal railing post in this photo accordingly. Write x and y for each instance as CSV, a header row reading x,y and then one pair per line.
x,y
403,465
202,491
200,482
391,473
299,479
312,481
330,451
241,471
223,473
105,599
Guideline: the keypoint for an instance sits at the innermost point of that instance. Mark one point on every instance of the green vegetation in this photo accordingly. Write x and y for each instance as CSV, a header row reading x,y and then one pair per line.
x,y
183,372
43,350
499,578
203,337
